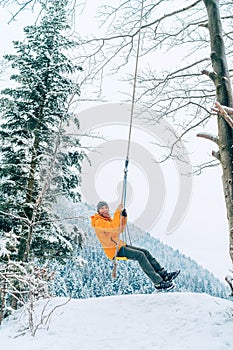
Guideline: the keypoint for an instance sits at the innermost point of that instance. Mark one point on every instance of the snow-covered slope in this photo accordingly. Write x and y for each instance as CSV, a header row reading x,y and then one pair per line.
x,y
161,321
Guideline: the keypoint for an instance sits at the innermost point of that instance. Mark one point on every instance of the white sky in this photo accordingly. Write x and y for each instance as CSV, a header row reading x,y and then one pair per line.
x,y
203,234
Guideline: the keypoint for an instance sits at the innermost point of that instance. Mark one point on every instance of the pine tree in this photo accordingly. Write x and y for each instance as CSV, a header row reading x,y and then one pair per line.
x,y
39,161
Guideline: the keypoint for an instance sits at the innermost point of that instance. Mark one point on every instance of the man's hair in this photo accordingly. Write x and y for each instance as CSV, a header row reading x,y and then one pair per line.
x,y
102,204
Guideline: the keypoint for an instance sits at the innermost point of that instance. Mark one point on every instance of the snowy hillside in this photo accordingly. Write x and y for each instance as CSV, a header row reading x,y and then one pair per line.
x,y
161,321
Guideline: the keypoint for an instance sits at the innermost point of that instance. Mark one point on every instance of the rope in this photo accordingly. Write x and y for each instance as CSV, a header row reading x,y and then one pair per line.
x,y
135,81
124,190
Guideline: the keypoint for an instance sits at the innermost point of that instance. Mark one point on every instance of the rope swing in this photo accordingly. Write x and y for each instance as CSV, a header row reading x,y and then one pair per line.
x,y
124,190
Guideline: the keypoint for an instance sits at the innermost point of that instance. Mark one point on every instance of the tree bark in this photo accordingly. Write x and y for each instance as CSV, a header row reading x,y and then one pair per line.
x,y
26,232
224,97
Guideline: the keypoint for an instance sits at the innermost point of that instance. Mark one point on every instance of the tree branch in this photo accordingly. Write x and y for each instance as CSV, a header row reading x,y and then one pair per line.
x,y
199,169
228,110
208,136
224,114
216,155
211,75
229,280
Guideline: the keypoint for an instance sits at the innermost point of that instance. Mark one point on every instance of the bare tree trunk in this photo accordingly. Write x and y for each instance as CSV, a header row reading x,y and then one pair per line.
x,y
3,292
26,232
29,199
221,79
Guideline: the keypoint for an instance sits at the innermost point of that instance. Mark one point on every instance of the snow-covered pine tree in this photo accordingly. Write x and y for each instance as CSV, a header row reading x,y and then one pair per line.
x,y
39,160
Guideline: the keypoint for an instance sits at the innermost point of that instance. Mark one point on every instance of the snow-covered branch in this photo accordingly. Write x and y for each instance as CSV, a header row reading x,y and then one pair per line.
x,y
223,111
208,136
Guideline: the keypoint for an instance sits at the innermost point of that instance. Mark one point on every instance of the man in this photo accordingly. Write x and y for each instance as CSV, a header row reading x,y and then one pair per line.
x,y
108,230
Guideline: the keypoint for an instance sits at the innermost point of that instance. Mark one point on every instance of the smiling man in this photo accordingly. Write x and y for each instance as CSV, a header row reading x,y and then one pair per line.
x,y
108,230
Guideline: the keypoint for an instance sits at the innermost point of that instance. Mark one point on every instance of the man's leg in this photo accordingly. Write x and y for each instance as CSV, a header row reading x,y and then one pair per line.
x,y
132,253
167,276
157,267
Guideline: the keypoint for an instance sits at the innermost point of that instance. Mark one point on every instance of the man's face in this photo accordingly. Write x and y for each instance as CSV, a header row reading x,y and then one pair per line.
x,y
104,211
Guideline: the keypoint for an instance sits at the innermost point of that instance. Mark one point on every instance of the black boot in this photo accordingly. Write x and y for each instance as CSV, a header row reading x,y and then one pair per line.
x,y
170,276
164,285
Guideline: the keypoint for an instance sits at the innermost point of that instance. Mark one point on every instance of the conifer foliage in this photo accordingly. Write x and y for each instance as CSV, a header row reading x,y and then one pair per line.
x,y
39,159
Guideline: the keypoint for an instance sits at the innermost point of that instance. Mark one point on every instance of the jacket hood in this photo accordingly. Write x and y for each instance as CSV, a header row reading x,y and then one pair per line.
x,y
93,219
96,217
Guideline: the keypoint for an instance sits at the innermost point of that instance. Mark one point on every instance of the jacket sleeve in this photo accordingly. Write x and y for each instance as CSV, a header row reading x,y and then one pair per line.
x,y
114,224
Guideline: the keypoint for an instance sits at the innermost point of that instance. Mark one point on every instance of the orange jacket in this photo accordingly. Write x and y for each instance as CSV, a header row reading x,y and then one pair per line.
x,y
107,231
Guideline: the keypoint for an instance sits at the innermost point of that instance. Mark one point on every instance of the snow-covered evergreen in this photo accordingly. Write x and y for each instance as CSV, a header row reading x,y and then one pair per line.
x,y
39,159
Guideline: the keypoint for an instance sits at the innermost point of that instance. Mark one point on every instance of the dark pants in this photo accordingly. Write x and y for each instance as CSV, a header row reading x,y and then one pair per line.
x,y
148,263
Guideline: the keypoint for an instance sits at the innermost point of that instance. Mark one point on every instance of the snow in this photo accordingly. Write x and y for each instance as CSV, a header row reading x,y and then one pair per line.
x,y
161,321
3,249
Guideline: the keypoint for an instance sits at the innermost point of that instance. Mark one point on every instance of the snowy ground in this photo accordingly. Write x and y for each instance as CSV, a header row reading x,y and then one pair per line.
x,y
161,321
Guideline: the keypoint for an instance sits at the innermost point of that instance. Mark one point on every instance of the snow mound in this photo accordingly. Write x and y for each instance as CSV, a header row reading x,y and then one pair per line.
x,y
161,321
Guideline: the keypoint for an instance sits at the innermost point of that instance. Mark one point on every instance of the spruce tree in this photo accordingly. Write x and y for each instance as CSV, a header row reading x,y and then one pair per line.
x,y
39,160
